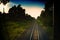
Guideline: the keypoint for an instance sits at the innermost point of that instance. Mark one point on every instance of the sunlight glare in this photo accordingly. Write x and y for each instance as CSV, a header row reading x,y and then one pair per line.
x,y
33,11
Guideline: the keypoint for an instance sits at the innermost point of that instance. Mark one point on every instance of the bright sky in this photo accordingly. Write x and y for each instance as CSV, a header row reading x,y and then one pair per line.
x,y
34,11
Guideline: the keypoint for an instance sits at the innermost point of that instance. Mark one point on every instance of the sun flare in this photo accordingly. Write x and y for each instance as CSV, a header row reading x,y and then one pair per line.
x,y
6,8
33,11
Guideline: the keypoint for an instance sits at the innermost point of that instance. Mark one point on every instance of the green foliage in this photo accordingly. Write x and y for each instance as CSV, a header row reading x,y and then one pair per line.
x,y
45,20
15,29
14,23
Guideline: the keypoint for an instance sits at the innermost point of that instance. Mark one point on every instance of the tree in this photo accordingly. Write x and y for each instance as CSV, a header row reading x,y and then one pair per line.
x,y
17,12
42,13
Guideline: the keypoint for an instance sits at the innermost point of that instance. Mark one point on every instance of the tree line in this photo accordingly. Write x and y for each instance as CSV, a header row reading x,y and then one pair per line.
x,y
46,16
14,14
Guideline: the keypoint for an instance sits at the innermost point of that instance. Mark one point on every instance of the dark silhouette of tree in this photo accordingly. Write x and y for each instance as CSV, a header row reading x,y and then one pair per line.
x,y
47,16
43,13
13,9
20,11
49,11
17,12
28,17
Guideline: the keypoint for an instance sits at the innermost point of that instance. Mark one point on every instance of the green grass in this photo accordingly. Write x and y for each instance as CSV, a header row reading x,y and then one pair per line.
x,y
15,29
48,29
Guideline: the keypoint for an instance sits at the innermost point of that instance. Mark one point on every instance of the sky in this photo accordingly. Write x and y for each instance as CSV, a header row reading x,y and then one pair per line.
x,y
32,7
